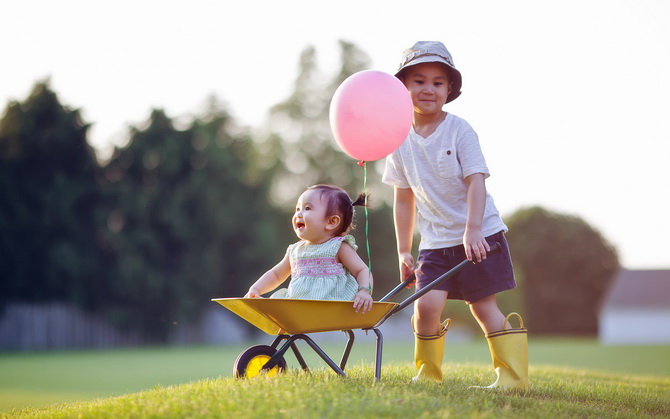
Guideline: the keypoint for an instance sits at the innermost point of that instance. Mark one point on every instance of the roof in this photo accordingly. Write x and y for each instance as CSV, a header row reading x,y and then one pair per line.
x,y
643,288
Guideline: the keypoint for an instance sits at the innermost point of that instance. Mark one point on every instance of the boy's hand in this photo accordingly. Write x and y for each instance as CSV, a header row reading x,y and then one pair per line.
x,y
406,267
475,246
363,301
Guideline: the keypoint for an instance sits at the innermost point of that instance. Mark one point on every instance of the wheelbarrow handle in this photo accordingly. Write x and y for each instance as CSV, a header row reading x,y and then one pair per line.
x,y
404,284
495,248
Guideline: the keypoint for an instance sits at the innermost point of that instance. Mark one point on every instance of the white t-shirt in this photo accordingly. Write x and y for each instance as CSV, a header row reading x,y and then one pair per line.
x,y
435,168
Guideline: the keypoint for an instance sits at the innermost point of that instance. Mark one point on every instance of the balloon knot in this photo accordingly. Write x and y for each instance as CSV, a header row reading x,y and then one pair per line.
x,y
361,163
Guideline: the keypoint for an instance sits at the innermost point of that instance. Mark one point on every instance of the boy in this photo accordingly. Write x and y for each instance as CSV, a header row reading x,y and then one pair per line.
x,y
439,174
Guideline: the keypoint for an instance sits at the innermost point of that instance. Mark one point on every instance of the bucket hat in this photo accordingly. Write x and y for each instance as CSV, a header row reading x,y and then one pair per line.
x,y
432,52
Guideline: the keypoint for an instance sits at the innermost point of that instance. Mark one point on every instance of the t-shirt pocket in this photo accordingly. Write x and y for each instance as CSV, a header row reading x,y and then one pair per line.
x,y
447,163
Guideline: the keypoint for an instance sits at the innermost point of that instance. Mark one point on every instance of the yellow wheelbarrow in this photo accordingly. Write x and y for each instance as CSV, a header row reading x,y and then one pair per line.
x,y
293,319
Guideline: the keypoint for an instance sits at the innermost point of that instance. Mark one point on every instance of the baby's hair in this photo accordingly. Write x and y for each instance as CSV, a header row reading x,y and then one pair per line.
x,y
338,203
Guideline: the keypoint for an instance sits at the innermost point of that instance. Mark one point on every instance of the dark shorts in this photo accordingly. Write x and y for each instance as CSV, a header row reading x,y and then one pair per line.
x,y
474,281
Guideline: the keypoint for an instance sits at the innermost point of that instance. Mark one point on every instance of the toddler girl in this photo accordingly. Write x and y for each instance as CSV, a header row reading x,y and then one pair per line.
x,y
324,264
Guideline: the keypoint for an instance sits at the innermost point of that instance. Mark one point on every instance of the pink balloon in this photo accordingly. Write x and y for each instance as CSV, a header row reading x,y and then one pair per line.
x,y
370,115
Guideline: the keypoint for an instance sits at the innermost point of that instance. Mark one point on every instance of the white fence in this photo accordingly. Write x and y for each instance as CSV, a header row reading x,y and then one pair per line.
x,y
27,327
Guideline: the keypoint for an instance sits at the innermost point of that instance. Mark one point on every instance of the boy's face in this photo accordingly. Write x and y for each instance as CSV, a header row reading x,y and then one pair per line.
x,y
428,85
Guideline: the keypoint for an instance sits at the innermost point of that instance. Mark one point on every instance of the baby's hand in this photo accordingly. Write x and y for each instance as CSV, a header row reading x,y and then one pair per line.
x,y
363,301
252,293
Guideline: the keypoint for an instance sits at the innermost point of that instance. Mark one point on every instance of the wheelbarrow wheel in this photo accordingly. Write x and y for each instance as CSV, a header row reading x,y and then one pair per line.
x,y
250,362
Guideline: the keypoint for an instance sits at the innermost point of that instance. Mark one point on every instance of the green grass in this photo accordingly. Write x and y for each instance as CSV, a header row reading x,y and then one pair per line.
x,y
555,393
568,378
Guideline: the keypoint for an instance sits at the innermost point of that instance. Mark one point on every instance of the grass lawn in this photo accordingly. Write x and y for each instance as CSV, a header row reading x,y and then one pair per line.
x,y
555,393
40,379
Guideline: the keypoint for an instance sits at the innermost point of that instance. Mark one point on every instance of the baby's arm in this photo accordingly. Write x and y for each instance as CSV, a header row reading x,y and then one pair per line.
x,y
270,279
473,240
350,259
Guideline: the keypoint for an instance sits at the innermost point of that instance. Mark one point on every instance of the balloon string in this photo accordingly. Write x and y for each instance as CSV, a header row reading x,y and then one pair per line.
x,y
367,220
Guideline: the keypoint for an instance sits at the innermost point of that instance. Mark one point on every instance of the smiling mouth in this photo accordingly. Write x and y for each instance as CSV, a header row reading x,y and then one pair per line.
x,y
299,225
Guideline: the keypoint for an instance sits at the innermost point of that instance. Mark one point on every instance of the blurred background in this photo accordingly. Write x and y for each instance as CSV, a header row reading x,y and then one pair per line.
x,y
151,154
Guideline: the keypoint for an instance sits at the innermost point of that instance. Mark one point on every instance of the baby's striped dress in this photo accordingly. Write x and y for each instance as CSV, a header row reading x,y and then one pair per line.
x,y
316,274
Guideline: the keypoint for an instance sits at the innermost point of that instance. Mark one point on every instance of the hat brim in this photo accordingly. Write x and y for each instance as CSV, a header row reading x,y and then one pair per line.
x,y
454,75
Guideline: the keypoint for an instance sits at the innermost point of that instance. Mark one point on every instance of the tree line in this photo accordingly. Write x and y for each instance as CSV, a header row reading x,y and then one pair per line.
x,y
178,216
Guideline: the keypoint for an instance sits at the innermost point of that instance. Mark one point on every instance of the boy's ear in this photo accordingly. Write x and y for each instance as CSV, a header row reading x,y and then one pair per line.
x,y
333,222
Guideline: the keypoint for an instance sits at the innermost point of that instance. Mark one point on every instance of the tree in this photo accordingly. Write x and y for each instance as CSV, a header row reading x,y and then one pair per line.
x,y
49,197
564,267
189,220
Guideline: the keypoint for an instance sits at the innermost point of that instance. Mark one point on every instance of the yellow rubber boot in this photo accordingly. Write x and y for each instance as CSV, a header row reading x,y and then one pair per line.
x,y
428,353
509,352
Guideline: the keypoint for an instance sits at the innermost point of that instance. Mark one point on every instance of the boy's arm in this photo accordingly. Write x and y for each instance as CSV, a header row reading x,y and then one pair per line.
x,y
270,279
473,240
403,217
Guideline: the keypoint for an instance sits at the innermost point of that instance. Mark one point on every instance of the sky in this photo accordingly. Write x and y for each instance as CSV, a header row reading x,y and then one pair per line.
x,y
570,98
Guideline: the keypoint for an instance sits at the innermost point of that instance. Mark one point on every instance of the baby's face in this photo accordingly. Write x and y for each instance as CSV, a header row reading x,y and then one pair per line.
x,y
428,85
310,218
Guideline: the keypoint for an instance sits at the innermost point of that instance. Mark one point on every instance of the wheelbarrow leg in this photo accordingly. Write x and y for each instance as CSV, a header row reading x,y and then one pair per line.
x,y
347,349
299,357
321,353
378,357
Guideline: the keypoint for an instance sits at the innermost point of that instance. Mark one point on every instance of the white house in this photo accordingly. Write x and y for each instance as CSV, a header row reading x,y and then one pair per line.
x,y
636,309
